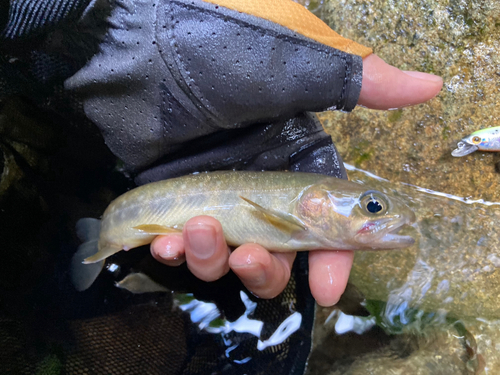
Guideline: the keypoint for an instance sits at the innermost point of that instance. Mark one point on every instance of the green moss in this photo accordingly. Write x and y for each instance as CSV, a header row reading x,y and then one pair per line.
x,y
395,115
363,157
403,320
364,151
445,132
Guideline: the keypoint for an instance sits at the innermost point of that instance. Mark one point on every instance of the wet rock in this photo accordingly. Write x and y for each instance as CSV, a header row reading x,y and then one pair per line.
x,y
457,40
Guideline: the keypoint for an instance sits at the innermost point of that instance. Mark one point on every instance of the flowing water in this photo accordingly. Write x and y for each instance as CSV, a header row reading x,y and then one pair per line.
x,y
440,294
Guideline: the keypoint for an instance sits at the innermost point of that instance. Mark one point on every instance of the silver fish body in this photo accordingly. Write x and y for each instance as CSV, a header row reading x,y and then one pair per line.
x,y
281,211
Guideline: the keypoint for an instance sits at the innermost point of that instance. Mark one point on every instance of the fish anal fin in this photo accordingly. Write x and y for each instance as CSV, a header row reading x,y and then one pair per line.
x,y
102,254
278,219
156,229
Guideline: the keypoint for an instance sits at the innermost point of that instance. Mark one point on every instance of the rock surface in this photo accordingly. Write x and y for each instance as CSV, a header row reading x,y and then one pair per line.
x,y
457,40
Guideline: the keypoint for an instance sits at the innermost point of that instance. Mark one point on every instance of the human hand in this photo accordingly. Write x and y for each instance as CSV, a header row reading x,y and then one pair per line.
x,y
266,274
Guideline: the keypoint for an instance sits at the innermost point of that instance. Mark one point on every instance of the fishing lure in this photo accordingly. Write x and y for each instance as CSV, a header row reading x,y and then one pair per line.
x,y
482,140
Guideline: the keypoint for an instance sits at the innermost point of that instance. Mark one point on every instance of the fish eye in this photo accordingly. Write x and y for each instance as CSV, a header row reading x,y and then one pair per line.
x,y
476,139
373,203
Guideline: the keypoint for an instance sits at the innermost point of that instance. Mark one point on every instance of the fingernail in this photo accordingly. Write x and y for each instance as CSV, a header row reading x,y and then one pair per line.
x,y
169,252
424,76
167,247
202,240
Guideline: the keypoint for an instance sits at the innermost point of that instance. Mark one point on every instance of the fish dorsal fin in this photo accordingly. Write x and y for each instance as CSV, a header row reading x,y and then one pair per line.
x,y
276,218
156,229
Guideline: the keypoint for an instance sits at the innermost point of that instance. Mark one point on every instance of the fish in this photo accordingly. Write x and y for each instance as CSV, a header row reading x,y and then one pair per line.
x,y
282,211
482,140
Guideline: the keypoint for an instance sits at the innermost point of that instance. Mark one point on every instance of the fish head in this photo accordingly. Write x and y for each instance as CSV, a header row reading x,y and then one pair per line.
x,y
377,218
356,218
482,140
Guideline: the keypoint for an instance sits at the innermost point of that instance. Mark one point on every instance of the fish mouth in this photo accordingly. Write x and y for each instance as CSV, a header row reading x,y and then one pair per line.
x,y
384,234
463,149
392,239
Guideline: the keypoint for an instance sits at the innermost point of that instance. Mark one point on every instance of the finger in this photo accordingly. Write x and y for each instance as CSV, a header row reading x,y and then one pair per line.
x,y
263,273
385,86
206,250
169,249
328,275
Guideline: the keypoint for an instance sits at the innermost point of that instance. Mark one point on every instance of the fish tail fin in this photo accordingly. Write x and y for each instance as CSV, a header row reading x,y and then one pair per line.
x,y
83,275
88,229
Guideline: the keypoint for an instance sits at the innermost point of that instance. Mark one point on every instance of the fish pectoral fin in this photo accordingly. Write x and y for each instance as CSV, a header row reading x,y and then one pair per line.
x,y
156,229
102,254
276,218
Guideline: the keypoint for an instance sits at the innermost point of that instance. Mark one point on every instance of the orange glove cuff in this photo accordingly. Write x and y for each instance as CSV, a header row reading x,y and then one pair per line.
x,y
297,18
